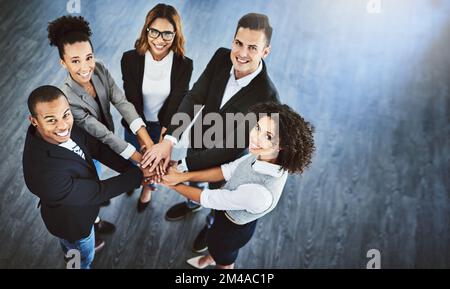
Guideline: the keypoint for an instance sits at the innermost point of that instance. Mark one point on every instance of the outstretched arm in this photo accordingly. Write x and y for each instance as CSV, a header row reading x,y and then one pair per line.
x,y
189,192
174,177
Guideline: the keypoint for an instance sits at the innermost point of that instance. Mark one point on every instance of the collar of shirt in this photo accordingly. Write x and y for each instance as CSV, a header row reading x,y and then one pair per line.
x,y
68,144
244,81
267,168
165,60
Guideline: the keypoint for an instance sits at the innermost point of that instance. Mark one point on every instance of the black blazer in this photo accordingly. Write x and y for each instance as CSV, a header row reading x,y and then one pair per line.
x,y
132,65
208,91
68,187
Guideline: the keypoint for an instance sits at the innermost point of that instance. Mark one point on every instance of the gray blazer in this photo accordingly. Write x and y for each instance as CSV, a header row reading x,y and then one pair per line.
x,y
86,112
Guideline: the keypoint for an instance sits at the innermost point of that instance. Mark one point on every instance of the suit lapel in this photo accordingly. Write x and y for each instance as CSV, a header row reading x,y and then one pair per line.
x,y
251,86
175,71
101,91
140,63
81,141
56,151
223,77
89,100
240,94
63,153
102,94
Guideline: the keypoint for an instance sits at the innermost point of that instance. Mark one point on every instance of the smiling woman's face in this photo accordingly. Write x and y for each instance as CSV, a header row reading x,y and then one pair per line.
x,y
264,139
159,47
79,61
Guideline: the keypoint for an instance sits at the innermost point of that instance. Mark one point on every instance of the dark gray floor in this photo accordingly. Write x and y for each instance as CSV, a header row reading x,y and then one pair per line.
x,y
376,86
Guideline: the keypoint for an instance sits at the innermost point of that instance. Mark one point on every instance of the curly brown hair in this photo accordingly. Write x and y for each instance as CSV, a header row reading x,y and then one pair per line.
x,y
295,133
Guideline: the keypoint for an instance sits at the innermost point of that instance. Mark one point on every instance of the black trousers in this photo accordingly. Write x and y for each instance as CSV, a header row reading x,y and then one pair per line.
x,y
225,238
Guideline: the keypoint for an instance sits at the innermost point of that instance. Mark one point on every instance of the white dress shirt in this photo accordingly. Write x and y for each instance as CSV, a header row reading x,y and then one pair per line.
x,y
253,198
235,85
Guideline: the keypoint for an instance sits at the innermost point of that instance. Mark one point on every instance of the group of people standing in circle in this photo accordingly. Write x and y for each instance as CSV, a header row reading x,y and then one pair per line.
x,y
72,131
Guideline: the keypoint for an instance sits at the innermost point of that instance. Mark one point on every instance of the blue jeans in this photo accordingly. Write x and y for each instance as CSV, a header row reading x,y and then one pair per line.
x,y
153,129
85,246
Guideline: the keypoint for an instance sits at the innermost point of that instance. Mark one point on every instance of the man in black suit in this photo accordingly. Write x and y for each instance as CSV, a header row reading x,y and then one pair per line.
x,y
233,81
58,169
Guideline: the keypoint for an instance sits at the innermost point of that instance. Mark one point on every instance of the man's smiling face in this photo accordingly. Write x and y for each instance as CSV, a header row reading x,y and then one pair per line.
x,y
248,48
53,120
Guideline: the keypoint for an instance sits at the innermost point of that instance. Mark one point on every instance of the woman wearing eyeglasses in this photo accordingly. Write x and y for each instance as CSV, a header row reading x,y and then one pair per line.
x,y
156,76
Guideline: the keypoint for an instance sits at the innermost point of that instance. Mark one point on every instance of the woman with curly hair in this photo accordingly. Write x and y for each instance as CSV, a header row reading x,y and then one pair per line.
x,y
281,142
91,89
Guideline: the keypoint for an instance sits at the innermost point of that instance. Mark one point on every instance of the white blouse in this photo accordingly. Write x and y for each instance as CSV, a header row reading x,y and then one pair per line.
x,y
156,84
253,198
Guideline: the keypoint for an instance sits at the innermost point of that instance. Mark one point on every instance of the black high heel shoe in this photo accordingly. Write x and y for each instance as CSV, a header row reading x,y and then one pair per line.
x,y
142,206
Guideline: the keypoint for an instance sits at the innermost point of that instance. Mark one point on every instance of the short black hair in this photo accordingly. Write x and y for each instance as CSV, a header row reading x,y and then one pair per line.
x,y
295,133
68,30
45,93
256,21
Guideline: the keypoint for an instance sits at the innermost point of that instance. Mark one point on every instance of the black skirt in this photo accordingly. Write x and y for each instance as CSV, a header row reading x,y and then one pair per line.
x,y
225,238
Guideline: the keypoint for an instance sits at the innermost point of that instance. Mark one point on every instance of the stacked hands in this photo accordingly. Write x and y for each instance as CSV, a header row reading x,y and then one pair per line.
x,y
157,167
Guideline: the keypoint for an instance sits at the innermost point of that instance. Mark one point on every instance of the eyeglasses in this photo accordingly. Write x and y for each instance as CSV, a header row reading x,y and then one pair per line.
x,y
166,35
